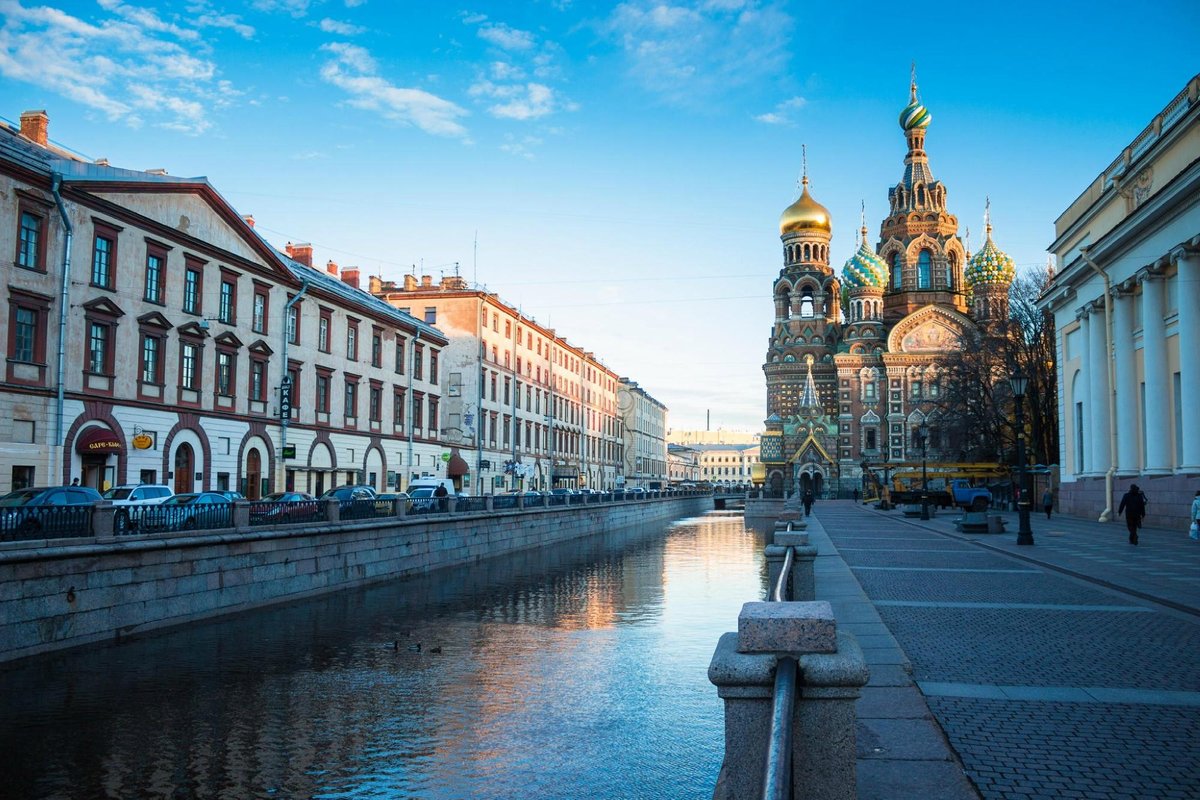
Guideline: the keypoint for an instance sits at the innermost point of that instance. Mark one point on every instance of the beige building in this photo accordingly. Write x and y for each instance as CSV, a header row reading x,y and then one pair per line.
x,y
719,436
727,464
193,353
1126,305
524,406
644,430
683,464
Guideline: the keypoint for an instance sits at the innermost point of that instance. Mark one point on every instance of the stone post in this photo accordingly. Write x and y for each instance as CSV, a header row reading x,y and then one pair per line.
x,y
400,505
103,519
803,582
451,504
520,501
832,672
489,502
333,510
241,514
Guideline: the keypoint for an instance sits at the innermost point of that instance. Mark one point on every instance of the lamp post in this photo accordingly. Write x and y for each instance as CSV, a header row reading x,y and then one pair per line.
x,y
923,439
884,505
1019,382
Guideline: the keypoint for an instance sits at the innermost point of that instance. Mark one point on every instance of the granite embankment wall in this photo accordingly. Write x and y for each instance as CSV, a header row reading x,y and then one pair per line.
x,y
83,591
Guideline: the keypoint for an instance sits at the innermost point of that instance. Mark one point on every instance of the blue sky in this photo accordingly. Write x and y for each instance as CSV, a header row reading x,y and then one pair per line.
x,y
622,165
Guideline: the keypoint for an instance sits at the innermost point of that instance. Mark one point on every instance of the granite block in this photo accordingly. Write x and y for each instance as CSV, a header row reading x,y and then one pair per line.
x,y
789,627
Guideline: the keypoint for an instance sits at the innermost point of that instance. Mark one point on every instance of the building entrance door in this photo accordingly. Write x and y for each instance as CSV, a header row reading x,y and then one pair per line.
x,y
253,475
184,467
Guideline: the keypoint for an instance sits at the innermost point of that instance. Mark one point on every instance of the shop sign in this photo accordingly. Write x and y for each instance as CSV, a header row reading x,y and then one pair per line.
x,y
143,441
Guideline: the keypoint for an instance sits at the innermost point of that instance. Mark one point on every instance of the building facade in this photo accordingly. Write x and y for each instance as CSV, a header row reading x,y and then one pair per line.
x,y
727,465
153,336
683,464
1126,303
525,407
852,366
644,433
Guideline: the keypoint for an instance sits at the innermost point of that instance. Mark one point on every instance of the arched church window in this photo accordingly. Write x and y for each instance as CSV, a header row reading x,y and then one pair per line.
x,y
951,267
897,273
924,266
806,304
920,196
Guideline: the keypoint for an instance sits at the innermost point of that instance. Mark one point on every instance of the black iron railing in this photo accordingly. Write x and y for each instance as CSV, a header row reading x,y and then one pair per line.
x,y
287,512
45,522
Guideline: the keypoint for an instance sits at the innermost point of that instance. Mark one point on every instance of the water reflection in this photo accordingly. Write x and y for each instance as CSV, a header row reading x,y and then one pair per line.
x,y
574,671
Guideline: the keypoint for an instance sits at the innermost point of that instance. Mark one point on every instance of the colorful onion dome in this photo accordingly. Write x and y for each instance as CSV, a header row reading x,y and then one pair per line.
x,y
865,269
990,264
803,214
914,114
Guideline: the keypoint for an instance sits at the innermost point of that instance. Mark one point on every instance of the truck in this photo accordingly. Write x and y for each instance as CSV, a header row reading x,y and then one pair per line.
x,y
958,493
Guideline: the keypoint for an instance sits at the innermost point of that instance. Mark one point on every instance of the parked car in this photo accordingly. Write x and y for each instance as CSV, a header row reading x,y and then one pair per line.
x,y
189,511
230,495
350,492
283,507
130,500
47,511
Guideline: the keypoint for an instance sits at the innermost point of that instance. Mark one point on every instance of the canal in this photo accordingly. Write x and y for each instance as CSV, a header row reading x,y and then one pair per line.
x,y
578,671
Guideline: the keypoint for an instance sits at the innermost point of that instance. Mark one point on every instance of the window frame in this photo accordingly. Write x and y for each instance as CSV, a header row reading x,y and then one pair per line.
x,y
259,318
39,210
103,231
155,250
39,305
192,267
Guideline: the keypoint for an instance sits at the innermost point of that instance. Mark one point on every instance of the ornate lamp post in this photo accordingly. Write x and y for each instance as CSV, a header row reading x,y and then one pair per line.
x,y
922,433
884,505
1019,382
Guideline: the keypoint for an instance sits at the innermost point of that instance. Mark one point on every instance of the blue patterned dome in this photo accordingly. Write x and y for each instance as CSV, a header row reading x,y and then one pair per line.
x,y
914,114
990,264
865,269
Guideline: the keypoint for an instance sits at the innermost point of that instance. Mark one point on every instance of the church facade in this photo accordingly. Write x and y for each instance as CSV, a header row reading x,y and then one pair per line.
x,y
852,366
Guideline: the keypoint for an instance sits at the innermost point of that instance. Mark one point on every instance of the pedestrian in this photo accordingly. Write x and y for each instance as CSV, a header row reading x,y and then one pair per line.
x,y
75,481
441,494
1048,501
856,494
1195,532
808,501
1133,506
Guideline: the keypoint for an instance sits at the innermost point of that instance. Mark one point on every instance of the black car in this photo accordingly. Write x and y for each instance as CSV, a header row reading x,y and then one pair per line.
x,y
357,501
189,511
47,511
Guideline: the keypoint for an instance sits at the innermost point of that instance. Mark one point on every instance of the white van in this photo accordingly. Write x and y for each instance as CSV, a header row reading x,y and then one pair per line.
x,y
432,483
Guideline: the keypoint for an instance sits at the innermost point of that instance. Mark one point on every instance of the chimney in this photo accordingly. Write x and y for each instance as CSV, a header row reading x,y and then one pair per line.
x,y
376,284
350,277
301,253
331,268
426,281
249,219
410,283
35,126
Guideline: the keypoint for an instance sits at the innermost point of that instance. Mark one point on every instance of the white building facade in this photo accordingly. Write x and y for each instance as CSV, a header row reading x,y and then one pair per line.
x,y
1126,304
644,429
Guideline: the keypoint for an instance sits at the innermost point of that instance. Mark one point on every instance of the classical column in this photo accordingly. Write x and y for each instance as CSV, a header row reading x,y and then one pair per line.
x,y
1188,279
1158,425
1127,388
1097,369
1084,467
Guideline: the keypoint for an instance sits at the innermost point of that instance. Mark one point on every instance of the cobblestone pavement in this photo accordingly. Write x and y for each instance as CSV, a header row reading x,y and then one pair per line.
x,y
1066,669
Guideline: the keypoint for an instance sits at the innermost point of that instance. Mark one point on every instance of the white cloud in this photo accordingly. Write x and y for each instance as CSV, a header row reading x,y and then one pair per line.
x,y
340,28
782,113
297,8
503,71
691,52
520,101
520,147
131,65
355,3
506,37
231,21
353,70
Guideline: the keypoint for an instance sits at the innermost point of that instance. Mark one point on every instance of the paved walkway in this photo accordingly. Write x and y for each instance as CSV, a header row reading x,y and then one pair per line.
x,y
1067,669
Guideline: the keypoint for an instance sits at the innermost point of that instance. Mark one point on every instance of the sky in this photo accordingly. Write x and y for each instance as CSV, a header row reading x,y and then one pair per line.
x,y
614,170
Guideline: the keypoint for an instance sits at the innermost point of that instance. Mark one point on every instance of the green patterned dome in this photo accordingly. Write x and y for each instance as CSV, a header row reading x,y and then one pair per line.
x,y
865,269
914,114
990,264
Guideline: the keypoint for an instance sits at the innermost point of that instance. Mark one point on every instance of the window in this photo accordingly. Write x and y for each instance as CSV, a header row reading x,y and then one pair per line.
x,y
433,413
226,309
869,390
399,366
258,382
104,252
431,315
398,408
192,278
352,341
99,354
323,331
225,374
258,318
377,348
322,394
31,239
418,403
418,360
155,276
915,388
293,325
433,366
151,358
375,403
189,362
923,269
897,272
351,399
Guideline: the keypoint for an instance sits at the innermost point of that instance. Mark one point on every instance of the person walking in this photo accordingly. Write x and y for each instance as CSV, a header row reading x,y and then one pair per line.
x,y
1133,506
441,494
1048,501
808,502
1195,532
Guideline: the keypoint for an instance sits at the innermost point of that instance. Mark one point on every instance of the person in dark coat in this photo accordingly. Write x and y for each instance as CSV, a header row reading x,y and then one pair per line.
x,y
1048,502
808,502
1133,506
441,494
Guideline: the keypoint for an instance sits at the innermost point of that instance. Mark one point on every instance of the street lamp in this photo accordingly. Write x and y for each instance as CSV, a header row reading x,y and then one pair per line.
x,y
923,439
1019,382
884,505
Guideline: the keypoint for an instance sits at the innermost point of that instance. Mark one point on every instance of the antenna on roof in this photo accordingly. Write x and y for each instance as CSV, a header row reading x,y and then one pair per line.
x,y
475,259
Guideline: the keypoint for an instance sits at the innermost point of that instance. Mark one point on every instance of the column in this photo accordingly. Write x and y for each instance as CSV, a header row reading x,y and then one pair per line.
x,y
1127,387
1098,357
1085,342
1154,370
1189,367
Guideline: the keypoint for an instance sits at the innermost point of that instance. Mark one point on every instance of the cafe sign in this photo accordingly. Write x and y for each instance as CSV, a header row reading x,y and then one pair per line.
x,y
143,441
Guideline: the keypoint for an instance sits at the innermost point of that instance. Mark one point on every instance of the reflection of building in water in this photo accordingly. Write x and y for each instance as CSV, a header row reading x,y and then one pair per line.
x,y
852,367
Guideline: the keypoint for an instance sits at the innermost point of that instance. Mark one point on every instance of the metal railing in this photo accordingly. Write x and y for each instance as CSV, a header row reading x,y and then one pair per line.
x,y
45,522
777,771
286,512
165,518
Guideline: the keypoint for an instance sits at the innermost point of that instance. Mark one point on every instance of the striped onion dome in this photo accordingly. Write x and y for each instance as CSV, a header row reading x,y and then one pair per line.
x,y
990,264
865,268
914,114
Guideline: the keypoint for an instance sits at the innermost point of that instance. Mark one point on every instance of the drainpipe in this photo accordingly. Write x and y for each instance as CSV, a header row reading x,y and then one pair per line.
x,y
285,420
479,405
1107,513
412,366
63,305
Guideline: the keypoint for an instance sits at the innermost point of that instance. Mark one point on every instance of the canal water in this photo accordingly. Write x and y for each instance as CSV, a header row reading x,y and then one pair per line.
x,y
578,671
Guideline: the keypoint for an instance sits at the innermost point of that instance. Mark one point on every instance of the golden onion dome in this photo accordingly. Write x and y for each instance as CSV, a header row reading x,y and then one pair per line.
x,y
803,214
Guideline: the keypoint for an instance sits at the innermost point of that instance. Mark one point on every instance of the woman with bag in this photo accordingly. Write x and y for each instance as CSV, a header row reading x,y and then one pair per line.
x,y
1195,532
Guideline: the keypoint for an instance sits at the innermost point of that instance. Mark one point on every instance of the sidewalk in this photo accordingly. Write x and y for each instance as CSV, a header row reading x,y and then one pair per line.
x,y
903,750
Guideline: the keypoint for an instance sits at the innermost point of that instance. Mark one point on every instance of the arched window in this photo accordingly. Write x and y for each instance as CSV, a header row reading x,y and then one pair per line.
x,y
806,304
897,273
923,269
951,266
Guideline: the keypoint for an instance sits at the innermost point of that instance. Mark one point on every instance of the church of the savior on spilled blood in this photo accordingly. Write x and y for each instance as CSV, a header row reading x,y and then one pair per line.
x,y
853,364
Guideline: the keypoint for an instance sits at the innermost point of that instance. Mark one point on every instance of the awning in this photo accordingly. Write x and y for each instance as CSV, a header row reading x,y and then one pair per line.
x,y
98,441
457,466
